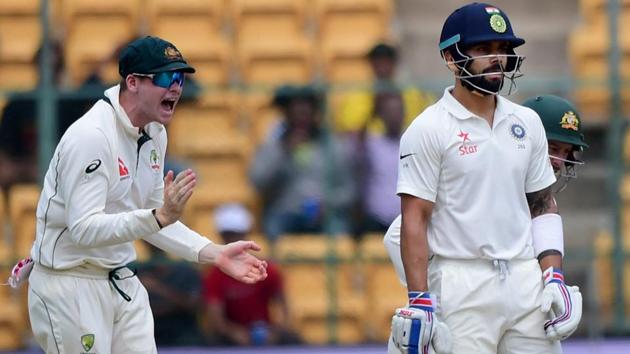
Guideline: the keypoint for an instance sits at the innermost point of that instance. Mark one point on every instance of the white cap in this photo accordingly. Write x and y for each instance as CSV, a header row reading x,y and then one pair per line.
x,y
232,217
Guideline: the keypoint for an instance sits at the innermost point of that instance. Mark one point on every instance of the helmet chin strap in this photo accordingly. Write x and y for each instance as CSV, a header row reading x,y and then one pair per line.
x,y
565,173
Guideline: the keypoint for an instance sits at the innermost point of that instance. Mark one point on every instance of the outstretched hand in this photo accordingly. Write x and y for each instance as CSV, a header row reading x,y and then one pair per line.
x,y
235,260
177,191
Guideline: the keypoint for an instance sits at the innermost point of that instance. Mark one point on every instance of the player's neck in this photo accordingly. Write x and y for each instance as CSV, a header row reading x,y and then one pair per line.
x,y
482,106
129,105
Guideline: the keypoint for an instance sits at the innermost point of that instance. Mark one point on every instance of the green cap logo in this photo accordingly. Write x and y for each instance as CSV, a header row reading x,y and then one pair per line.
x,y
497,22
87,341
570,121
172,53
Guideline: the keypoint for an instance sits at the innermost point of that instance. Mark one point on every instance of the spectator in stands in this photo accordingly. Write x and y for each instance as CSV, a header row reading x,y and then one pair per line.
x,y
303,175
378,157
239,314
174,289
18,125
356,109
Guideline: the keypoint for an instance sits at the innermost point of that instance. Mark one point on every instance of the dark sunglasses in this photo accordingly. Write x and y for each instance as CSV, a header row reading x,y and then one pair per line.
x,y
165,79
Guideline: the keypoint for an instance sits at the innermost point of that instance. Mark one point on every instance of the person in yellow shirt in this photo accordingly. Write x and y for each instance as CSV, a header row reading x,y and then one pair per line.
x,y
356,113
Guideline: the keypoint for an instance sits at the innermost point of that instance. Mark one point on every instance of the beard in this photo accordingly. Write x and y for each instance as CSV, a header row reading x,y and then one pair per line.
x,y
483,84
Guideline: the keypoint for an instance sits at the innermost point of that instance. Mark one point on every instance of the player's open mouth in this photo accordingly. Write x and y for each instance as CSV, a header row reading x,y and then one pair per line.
x,y
168,104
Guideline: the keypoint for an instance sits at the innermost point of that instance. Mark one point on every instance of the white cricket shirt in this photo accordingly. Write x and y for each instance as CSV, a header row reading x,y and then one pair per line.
x,y
101,184
476,176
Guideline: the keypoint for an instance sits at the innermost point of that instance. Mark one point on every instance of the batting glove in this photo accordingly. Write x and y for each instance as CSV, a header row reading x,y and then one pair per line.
x,y
20,272
564,304
415,327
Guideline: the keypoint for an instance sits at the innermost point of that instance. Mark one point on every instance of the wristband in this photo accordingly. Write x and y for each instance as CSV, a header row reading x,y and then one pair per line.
x,y
547,233
420,300
156,219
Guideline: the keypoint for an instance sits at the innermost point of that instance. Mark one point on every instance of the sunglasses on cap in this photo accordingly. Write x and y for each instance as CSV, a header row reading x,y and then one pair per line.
x,y
165,79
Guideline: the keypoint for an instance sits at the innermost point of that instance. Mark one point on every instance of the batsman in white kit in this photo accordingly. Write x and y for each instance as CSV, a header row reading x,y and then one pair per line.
x,y
481,241
104,189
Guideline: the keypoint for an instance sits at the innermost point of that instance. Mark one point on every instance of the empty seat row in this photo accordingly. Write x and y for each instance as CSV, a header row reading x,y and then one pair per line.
x,y
589,48
268,43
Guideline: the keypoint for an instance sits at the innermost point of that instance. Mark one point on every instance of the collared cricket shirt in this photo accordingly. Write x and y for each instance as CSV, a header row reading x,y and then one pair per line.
x,y
101,184
476,176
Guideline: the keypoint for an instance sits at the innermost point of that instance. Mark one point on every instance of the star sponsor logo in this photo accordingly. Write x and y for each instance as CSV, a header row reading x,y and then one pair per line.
x,y
467,147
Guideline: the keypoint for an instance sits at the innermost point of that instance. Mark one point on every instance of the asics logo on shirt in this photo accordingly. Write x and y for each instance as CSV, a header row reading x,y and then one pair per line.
x,y
93,166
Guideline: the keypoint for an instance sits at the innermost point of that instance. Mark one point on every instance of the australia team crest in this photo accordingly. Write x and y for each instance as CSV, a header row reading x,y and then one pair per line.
x,y
570,121
154,160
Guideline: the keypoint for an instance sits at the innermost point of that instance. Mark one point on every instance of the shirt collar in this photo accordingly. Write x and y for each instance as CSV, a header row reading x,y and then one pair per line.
x,y
454,107
113,94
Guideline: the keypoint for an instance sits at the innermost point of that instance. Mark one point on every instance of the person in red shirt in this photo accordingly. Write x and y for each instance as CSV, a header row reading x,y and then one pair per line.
x,y
240,314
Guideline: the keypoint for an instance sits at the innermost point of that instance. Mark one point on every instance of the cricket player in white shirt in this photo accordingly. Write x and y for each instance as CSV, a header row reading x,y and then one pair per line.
x,y
479,223
104,189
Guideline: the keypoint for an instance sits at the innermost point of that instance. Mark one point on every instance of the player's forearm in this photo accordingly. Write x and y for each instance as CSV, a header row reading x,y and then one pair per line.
x,y
209,254
102,229
179,240
547,231
550,259
415,254
414,246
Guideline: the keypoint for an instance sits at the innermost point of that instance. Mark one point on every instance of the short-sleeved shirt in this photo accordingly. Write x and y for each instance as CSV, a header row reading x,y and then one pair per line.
x,y
476,176
243,303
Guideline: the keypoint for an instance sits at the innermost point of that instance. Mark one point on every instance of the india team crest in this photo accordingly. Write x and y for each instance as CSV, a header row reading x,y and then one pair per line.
x,y
570,121
517,131
497,23
87,341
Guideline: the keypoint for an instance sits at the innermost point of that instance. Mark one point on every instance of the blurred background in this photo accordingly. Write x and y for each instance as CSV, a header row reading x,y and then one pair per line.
x,y
292,122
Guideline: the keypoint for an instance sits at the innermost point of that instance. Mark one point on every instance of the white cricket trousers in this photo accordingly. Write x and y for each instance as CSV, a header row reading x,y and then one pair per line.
x,y
491,307
80,311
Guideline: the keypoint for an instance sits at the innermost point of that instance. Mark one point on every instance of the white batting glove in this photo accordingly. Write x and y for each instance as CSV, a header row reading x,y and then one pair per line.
x,y
20,272
415,327
564,304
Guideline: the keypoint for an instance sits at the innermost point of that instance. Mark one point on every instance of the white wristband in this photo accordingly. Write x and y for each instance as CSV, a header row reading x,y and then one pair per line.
x,y
547,233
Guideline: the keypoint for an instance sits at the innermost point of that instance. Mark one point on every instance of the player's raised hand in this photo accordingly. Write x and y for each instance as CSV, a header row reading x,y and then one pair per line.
x,y
177,191
235,260
563,303
415,327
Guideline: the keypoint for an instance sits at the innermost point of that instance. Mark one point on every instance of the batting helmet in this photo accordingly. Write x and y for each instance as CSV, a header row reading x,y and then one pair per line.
x,y
562,123
473,24
560,118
